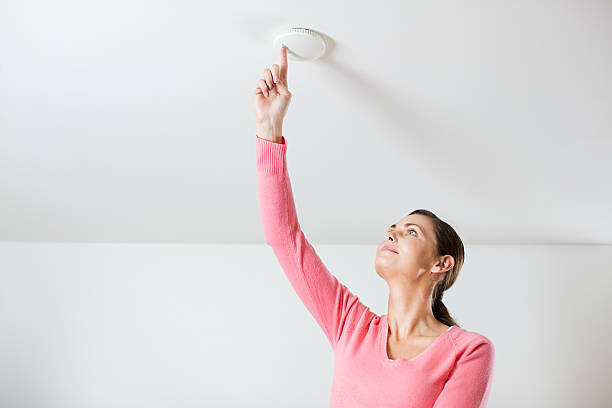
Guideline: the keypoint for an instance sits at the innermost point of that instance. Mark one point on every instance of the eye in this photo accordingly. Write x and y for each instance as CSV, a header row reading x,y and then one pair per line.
x,y
413,231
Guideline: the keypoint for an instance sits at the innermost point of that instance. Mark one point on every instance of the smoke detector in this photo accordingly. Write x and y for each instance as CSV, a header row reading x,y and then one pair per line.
x,y
302,44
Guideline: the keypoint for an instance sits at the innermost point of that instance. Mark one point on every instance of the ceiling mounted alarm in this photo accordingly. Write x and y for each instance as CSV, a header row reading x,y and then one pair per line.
x,y
302,44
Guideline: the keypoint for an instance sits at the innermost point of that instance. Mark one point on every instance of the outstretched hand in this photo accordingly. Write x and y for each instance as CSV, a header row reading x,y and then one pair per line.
x,y
272,96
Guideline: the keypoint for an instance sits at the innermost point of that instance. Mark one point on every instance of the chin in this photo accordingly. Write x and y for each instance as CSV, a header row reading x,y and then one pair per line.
x,y
382,266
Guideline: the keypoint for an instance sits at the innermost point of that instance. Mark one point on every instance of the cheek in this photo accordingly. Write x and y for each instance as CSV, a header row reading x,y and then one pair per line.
x,y
411,245
413,249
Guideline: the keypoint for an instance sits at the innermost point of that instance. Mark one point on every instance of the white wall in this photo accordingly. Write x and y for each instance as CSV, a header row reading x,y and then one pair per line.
x,y
129,325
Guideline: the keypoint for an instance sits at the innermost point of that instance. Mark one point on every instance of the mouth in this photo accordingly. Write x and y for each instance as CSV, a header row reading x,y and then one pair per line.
x,y
388,248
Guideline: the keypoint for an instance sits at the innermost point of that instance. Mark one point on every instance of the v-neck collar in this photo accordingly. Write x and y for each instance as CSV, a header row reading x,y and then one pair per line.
x,y
382,345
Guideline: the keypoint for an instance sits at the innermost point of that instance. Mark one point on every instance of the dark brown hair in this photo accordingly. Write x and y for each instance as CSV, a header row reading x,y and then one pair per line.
x,y
447,243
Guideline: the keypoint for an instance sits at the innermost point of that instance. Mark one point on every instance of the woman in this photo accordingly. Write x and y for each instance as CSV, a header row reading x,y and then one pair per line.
x,y
413,356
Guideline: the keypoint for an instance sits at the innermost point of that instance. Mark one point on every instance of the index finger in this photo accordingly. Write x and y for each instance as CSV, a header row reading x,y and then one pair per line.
x,y
283,62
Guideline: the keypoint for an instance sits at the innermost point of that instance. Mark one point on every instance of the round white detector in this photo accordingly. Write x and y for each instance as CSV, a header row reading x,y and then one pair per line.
x,y
302,44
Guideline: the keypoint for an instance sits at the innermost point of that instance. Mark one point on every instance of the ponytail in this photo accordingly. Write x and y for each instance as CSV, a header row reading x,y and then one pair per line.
x,y
438,308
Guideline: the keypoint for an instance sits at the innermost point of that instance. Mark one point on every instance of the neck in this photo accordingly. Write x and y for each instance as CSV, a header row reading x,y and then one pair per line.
x,y
410,314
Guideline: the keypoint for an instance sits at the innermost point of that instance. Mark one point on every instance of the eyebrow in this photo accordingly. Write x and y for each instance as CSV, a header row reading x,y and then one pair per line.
x,y
407,225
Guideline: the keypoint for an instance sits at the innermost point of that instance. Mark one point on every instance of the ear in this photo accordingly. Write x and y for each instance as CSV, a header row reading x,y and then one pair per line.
x,y
448,262
445,263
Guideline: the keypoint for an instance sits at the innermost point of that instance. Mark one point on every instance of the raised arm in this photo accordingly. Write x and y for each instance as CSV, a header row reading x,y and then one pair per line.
x,y
330,302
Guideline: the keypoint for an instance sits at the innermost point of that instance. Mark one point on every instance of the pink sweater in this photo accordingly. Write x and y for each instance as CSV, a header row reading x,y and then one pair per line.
x,y
455,371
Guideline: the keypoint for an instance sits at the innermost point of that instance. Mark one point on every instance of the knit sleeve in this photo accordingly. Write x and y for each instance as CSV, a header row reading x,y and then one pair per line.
x,y
469,382
330,302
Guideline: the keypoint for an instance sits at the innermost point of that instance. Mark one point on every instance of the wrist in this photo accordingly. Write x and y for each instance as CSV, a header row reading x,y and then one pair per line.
x,y
270,131
275,139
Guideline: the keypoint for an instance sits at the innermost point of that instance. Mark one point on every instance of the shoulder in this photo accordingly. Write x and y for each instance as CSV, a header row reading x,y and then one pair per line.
x,y
470,343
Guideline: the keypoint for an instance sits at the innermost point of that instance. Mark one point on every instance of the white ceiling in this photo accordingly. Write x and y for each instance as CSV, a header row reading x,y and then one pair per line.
x,y
125,121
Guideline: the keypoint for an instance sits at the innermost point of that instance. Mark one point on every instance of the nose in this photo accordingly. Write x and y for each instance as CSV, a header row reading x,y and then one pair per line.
x,y
390,236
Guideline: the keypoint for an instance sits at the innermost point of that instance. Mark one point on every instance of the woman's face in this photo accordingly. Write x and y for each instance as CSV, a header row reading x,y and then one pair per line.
x,y
415,247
